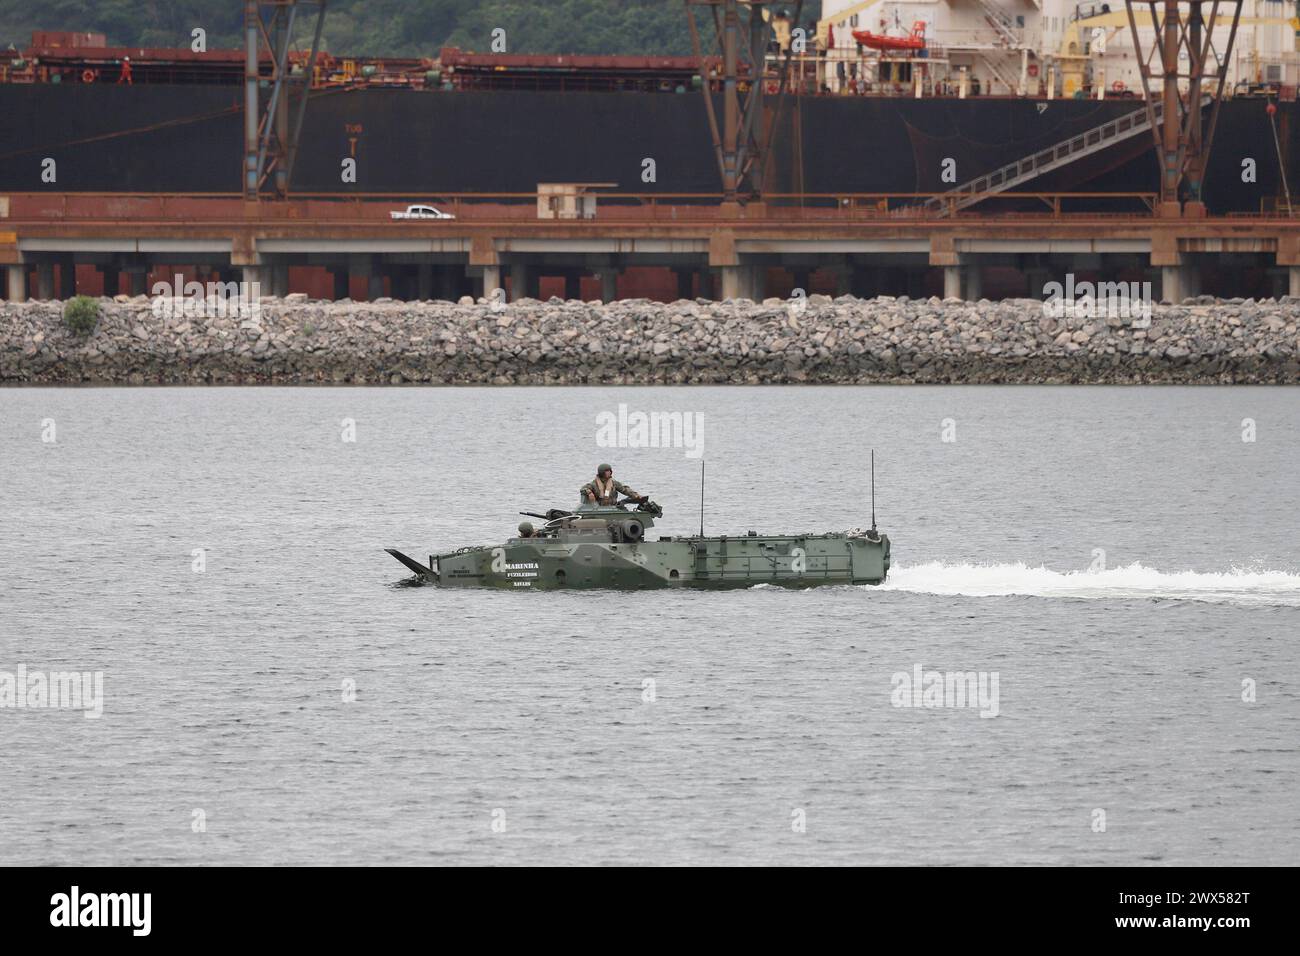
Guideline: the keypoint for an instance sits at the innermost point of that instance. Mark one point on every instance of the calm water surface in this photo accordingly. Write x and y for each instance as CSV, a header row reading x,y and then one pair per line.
x,y
1120,557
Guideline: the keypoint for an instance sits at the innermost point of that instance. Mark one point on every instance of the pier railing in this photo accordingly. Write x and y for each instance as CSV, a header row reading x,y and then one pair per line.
x,y
613,207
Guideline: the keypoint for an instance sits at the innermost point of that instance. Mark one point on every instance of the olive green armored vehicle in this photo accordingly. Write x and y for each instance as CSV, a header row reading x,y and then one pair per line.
x,y
608,547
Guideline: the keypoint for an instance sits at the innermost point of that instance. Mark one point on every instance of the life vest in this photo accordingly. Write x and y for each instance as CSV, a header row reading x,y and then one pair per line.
x,y
605,494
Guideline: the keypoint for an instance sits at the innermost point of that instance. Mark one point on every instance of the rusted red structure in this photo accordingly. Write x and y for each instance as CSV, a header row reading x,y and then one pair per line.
x,y
1183,141
742,33
648,246
271,136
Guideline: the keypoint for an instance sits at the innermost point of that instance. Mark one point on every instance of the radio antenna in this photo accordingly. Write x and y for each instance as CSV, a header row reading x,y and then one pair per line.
x,y
873,489
701,497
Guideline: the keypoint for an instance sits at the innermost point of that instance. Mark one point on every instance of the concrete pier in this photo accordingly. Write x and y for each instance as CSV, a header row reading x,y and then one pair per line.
x,y
45,280
67,277
609,285
16,283
732,257
491,279
518,281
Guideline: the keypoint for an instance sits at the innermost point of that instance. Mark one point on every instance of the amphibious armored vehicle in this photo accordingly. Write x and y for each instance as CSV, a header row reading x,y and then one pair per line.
x,y
607,547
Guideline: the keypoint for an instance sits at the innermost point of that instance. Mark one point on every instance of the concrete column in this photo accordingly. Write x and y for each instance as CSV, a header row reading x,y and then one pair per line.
x,y
974,283
518,281
685,282
916,282
67,277
424,281
609,285
401,283
491,280
1294,279
252,279
734,282
17,283
573,285
952,282
710,283
45,280
1173,283
1036,278
340,277
448,283
868,282
843,280
859,282
360,267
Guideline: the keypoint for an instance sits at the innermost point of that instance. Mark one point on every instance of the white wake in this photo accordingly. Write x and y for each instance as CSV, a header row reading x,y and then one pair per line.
x,y
1237,586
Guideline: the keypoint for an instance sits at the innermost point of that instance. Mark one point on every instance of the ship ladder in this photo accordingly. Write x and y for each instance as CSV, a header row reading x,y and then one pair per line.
x,y
999,73
1281,163
1000,21
1044,161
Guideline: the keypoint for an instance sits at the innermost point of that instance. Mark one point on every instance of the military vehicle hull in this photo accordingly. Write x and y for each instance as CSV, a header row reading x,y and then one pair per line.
x,y
712,563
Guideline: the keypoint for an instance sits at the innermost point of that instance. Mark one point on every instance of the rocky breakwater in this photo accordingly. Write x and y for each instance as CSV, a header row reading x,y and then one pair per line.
x,y
845,340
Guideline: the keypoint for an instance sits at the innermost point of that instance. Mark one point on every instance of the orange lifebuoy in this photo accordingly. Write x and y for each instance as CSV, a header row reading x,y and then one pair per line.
x,y
1033,69
1118,86
87,76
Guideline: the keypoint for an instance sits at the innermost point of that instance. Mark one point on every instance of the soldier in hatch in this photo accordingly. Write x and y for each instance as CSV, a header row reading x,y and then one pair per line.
x,y
605,490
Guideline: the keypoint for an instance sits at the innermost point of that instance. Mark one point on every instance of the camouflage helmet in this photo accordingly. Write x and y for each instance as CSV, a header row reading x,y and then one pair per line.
x,y
602,468
525,529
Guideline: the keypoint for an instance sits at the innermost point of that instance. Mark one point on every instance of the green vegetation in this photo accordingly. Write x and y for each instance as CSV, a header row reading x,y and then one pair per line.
x,y
81,314
383,27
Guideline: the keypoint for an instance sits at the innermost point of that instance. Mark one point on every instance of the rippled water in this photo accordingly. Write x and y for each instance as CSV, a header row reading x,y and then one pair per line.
x,y
1119,557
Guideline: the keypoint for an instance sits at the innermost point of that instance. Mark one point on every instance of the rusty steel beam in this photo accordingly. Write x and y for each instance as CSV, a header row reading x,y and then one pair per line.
x,y
1183,140
1233,231
741,33
270,138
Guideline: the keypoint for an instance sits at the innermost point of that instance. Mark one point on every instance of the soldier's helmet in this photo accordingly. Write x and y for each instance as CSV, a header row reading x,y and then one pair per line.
x,y
602,468
525,529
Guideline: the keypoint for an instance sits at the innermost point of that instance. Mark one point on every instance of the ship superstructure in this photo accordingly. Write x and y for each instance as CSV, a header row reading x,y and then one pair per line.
x,y
1043,48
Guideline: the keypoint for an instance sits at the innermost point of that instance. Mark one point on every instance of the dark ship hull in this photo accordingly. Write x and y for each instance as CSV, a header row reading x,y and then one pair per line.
x,y
188,139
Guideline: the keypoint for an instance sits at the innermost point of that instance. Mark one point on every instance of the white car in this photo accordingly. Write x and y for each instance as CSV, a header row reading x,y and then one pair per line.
x,y
422,212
